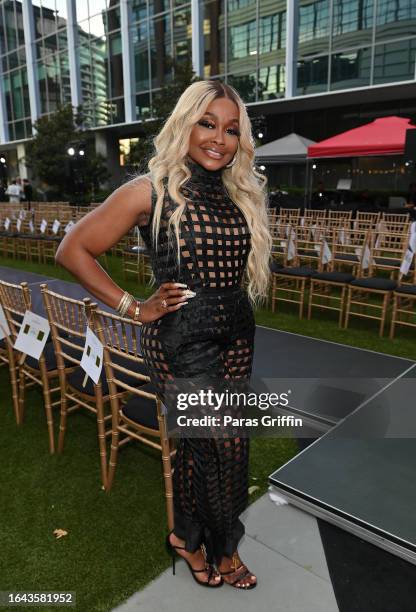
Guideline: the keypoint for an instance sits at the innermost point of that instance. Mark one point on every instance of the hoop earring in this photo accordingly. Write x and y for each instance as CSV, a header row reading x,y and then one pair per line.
x,y
232,162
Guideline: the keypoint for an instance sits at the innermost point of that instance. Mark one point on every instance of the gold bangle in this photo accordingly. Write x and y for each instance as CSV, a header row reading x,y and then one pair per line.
x,y
128,302
125,303
122,300
137,312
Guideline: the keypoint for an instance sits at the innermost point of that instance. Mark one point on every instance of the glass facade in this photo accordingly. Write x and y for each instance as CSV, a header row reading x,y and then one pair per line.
x,y
99,51
336,45
51,43
344,44
14,72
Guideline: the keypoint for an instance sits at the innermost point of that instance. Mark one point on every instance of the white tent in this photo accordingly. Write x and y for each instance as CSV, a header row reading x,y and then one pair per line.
x,y
289,149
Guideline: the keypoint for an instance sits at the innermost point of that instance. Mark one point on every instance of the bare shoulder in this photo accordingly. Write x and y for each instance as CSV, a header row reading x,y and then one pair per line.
x,y
137,195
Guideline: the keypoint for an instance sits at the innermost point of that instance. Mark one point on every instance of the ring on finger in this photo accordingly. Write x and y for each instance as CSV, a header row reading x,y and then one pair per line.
x,y
164,303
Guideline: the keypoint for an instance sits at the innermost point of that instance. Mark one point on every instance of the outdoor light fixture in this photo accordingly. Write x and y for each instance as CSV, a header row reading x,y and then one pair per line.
x,y
71,151
3,160
313,166
81,152
260,134
262,168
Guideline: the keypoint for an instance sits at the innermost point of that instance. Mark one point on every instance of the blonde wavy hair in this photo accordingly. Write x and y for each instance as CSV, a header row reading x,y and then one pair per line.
x,y
245,186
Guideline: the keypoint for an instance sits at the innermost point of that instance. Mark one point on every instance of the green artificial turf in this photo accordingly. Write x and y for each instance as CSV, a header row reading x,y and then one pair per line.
x,y
114,544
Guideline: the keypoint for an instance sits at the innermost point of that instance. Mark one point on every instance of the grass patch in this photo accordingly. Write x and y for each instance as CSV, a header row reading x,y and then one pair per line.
x,y
114,545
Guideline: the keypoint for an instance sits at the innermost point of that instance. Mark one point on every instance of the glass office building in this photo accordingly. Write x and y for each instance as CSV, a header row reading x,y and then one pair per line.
x,y
285,57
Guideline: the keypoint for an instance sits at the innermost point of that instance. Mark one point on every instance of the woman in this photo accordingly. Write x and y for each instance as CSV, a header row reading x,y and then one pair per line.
x,y
201,212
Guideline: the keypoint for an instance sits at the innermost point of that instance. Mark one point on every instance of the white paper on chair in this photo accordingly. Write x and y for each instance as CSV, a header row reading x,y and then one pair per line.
x,y
326,253
92,357
412,241
6,223
407,261
22,214
18,224
55,226
68,226
43,226
366,256
4,326
31,226
291,249
32,335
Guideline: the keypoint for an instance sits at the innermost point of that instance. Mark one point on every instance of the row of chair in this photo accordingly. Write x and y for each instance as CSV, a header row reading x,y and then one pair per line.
x,y
124,401
333,218
348,271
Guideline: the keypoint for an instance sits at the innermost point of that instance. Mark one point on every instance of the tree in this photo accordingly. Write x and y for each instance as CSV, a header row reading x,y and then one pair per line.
x,y
163,103
47,152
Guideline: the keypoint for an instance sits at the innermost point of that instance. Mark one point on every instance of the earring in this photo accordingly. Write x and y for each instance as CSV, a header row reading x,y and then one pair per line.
x,y
232,162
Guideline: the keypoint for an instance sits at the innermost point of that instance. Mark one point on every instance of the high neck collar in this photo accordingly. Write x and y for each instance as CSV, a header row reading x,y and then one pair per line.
x,y
201,173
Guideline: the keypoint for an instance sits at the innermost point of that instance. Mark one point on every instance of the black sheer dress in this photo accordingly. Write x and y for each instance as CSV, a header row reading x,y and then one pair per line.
x,y
211,335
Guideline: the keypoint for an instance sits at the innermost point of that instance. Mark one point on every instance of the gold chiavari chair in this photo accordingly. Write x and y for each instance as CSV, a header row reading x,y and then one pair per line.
x,y
369,295
328,287
8,358
139,414
68,319
28,371
389,248
351,249
398,219
366,220
404,295
313,216
289,215
339,218
289,283
135,259
68,323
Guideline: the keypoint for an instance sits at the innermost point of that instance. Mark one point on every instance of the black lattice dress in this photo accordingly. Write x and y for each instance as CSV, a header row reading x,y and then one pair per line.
x,y
213,334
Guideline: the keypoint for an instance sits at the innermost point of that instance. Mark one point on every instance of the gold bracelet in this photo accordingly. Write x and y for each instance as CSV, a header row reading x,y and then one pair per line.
x,y
122,300
129,301
125,303
137,312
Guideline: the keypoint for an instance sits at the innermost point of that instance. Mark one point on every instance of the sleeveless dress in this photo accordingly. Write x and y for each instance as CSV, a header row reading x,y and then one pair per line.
x,y
212,335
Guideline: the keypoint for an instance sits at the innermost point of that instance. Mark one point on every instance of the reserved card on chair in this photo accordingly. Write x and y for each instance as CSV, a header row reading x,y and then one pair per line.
x,y
33,335
4,326
92,357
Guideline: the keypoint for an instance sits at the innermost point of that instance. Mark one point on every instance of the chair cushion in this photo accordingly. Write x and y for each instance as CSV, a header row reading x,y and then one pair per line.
x,y
336,277
50,358
409,289
142,410
384,261
347,257
275,266
77,377
384,284
297,271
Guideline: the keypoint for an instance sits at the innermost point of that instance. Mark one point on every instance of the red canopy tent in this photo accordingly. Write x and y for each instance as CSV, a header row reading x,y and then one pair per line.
x,y
385,136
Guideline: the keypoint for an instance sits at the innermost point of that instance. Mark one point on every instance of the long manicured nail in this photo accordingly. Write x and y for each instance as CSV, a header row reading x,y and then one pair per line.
x,y
180,285
183,303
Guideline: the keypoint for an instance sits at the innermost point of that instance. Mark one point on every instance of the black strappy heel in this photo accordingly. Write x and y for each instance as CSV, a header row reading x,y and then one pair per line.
x,y
171,548
239,578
